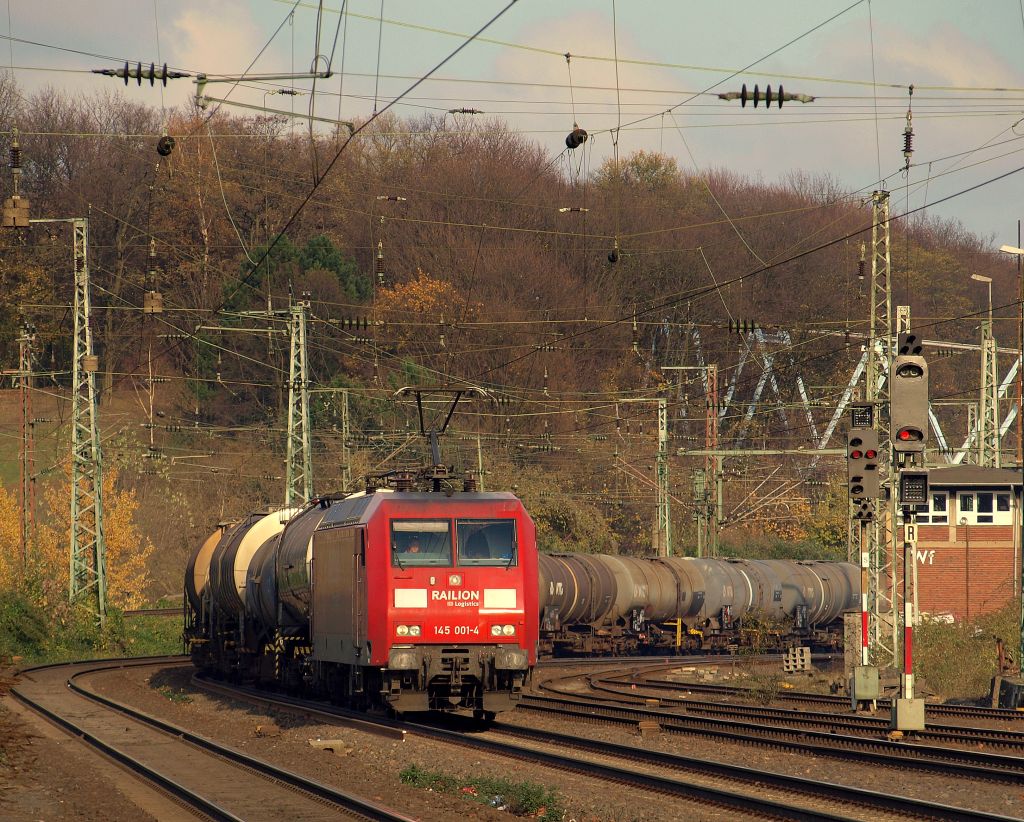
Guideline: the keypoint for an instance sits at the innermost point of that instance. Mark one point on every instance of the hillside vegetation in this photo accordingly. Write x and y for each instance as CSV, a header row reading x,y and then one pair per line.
x,y
433,255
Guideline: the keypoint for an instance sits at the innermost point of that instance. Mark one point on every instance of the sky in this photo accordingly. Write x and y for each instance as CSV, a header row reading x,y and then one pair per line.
x,y
966,62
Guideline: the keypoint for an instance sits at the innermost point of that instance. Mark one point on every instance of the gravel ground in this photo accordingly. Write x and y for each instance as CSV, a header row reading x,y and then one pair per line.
x,y
370,764
993,798
47,775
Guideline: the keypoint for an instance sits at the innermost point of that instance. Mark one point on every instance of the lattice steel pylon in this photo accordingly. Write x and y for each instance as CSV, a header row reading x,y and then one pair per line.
x,y
299,470
664,503
881,579
26,493
988,404
88,571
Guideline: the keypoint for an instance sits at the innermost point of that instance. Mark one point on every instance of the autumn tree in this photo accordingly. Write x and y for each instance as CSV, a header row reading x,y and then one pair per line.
x,y
46,576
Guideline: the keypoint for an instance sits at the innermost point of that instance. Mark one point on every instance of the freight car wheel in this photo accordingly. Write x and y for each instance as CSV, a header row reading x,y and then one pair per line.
x,y
484,717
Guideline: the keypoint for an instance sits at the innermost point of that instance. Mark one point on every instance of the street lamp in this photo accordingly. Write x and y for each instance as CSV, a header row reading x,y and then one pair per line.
x,y
983,279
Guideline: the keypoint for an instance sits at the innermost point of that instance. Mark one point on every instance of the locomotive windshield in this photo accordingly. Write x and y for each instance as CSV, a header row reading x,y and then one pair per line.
x,y
487,542
418,542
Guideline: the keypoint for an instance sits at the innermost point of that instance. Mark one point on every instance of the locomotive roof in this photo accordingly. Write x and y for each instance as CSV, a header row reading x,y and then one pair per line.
x,y
358,507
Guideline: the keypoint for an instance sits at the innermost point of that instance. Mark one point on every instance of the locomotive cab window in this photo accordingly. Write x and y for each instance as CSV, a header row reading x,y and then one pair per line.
x,y
420,542
487,542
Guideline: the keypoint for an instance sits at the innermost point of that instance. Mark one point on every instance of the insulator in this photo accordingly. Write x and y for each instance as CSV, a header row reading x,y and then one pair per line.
x,y
576,138
861,265
165,145
782,95
379,263
613,255
768,97
908,142
15,155
757,95
743,96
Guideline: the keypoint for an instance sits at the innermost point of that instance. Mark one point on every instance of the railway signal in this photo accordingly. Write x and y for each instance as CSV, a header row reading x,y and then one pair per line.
x,y
908,396
862,464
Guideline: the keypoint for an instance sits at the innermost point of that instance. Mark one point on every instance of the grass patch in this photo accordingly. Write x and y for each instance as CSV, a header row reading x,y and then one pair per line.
x,y
30,634
518,798
174,694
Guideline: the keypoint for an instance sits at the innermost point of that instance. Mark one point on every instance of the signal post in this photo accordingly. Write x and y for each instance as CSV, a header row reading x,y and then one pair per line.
x,y
908,429
865,487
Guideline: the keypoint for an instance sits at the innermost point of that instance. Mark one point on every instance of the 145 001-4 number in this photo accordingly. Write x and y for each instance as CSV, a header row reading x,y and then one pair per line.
x,y
456,630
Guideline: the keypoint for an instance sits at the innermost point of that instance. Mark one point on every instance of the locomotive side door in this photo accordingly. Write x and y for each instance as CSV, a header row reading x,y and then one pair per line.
x,y
339,596
358,593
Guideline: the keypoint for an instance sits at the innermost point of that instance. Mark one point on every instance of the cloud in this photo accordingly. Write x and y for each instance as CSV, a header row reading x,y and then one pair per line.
x,y
216,38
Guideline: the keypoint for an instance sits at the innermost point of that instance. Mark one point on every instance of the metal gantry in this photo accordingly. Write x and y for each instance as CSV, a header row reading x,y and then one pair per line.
x,y
88,567
664,504
26,492
988,404
299,470
881,579
707,482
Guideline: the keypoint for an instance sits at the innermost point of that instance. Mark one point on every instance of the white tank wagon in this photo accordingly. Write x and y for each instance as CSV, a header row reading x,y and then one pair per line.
x,y
594,604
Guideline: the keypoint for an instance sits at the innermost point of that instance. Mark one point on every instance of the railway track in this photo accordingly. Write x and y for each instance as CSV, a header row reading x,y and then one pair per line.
x,y
214,780
953,762
831,722
823,700
723,785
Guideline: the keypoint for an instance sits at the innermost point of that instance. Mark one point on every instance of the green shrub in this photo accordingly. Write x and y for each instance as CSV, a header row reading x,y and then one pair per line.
x,y
958,660
58,634
23,626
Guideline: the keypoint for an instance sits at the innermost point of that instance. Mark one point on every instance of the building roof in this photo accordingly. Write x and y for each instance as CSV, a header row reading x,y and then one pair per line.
x,y
964,475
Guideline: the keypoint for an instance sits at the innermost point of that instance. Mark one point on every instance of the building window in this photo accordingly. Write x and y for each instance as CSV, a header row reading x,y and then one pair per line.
x,y
939,513
985,503
984,508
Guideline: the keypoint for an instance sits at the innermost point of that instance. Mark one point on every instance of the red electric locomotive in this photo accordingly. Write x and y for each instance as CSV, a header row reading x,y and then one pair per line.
x,y
429,599
416,600
411,594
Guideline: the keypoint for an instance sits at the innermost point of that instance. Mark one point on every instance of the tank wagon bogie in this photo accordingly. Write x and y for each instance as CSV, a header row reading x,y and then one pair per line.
x,y
618,605
416,601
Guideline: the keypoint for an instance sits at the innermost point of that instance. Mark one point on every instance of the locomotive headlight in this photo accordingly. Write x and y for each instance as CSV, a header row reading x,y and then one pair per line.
x,y
495,630
508,630
402,630
415,630
455,579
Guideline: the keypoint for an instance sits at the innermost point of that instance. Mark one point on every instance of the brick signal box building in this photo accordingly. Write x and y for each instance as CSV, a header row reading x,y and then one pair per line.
x,y
969,541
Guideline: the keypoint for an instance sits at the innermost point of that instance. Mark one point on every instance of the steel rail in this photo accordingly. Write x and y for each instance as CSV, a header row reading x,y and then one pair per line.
x,y
918,809
959,734
314,789
716,796
946,761
969,711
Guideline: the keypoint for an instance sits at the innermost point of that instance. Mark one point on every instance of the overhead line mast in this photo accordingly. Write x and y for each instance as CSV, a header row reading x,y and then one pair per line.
x,y
881,581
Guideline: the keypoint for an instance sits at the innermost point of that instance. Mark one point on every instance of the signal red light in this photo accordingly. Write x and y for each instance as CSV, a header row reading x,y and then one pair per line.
x,y
855,454
870,454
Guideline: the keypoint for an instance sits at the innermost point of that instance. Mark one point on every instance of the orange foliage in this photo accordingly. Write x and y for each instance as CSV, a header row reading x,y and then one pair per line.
x,y
418,306
127,554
